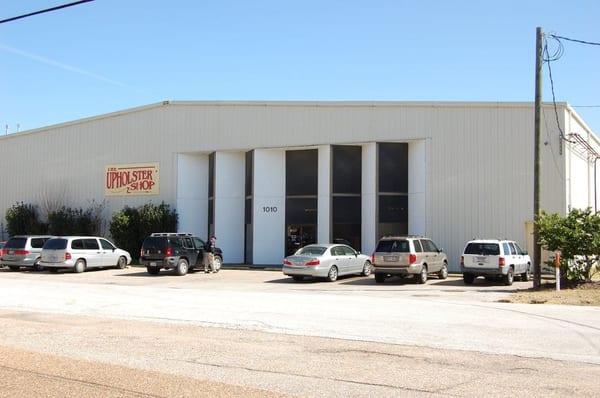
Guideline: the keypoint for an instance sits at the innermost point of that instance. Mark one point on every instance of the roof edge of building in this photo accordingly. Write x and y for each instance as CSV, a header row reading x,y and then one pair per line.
x,y
286,103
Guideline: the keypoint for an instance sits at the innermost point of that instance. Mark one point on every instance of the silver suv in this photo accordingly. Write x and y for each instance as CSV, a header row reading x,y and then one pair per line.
x,y
23,251
408,255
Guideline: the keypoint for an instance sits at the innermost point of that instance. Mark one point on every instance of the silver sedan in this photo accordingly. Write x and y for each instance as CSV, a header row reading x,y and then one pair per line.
x,y
326,261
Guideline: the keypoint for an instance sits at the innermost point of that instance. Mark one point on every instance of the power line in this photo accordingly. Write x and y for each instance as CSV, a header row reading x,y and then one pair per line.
x,y
45,10
549,60
592,43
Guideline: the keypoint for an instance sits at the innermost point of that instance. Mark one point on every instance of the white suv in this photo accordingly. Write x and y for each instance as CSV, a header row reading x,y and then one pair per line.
x,y
494,258
82,252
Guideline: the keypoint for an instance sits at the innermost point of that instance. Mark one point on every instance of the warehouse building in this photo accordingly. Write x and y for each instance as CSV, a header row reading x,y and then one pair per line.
x,y
268,177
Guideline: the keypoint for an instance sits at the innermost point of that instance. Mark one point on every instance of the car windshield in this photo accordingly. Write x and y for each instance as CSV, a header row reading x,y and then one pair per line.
x,y
483,249
16,243
154,242
55,244
393,246
311,250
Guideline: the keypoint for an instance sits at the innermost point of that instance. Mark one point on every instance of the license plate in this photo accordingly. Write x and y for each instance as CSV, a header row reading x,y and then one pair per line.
x,y
390,259
481,259
153,264
11,252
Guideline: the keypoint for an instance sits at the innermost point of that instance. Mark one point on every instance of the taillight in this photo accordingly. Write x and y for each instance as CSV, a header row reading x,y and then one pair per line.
x,y
67,256
141,252
287,262
501,262
169,252
21,252
412,258
314,261
462,260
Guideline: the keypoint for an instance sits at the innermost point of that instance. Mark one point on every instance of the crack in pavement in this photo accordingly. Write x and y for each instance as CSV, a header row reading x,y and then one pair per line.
x,y
335,379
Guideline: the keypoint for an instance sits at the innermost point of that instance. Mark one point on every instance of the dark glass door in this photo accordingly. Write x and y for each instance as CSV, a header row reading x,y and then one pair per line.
x,y
299,235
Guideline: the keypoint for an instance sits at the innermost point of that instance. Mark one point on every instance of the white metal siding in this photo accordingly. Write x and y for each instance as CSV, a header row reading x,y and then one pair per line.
x,y
480,155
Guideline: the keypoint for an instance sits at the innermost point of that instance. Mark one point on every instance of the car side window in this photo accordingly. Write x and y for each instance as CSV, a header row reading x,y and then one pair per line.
x,y
106,245
199,243
519,250
433,246
37,243
418,247
187,243
91,244
348,251
426,245
336,251
506,249
513,250
77,244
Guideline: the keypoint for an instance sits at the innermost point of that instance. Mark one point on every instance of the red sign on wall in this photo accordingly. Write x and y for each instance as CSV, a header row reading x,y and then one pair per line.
x,y
132,179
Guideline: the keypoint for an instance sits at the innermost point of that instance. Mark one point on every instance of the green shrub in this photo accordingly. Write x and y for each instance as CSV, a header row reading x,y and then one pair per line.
x,y
131,225
577,236
23,219
68,221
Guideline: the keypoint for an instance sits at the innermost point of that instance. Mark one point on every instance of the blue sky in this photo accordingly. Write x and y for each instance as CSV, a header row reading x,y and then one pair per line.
x,y
109,55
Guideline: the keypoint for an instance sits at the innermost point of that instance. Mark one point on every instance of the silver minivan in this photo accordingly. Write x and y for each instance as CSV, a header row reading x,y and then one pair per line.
x,y
408,255
23,251
82,252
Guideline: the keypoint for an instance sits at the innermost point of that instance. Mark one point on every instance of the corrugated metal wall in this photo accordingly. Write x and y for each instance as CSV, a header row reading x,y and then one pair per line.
x,y
480,155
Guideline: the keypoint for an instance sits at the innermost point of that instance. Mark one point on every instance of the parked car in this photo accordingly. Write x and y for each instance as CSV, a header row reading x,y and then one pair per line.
x,y
178,251
82,252
326,261
494,259
408,255
23,251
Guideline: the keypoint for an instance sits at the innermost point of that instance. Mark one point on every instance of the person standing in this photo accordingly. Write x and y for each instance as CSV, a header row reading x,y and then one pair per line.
x,y
209,254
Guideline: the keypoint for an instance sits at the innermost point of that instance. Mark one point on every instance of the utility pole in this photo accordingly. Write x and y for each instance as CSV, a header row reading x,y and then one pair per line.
x,y
537,250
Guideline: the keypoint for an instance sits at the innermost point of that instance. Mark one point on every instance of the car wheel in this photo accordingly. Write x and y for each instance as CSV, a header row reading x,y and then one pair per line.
x,y
79,266
53,270
421,277
366,269
526,276
37,266
13,268
217,262
332,275
509,277
122,263
153,270
182,267
468,279
379,278
297,278
443,274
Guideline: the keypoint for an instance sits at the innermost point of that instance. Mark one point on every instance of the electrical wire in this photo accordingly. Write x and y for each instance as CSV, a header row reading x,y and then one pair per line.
x,y
45,10
549,59
557,37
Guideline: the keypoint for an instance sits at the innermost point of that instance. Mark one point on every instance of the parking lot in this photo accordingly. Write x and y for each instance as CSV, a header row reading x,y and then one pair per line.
x,y
260,329
272,280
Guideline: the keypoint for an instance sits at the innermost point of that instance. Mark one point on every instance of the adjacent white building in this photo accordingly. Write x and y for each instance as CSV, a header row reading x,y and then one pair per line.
x,y
266,177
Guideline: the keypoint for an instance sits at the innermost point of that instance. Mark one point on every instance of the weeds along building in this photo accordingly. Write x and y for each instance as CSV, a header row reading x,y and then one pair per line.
x,y
267,177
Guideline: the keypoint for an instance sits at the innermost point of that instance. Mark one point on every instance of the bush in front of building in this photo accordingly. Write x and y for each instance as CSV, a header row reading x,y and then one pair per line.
x,y
23,219
577,237
68,221
131,225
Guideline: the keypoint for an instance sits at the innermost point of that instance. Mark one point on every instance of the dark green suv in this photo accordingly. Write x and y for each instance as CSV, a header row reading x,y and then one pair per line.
x,y
177,251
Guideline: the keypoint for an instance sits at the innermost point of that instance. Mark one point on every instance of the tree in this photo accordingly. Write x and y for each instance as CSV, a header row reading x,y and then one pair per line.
x,y
577,236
